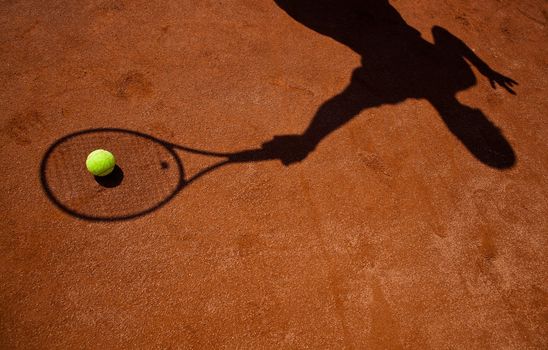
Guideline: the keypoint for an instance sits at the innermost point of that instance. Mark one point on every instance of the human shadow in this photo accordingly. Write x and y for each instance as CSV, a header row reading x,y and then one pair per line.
x,y
397,64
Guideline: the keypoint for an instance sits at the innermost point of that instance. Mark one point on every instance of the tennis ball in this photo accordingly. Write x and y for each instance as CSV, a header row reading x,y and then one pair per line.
x,y
100,162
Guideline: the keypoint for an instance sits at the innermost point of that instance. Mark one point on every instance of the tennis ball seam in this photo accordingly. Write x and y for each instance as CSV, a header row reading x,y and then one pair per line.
x,y
106,172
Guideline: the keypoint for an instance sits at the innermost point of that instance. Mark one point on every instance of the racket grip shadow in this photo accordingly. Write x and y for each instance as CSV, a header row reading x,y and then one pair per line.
x,y
253,155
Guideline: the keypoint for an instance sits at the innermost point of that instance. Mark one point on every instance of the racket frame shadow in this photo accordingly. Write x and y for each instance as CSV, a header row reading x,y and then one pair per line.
x,y
181,183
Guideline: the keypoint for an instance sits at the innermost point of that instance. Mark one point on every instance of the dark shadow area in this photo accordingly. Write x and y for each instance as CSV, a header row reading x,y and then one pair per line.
x,y
397,64
111,180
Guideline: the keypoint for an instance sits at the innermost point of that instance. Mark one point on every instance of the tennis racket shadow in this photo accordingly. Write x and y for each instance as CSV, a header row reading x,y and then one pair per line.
x,y
149,172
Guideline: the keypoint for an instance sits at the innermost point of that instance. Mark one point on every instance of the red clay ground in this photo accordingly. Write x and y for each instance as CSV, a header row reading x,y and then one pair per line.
x,y
399,230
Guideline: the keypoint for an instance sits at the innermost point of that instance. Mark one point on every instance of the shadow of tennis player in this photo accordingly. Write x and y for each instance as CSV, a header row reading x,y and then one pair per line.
x,y
397,64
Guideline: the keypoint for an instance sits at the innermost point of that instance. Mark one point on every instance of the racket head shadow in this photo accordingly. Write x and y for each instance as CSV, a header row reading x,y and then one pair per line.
x,y
148,175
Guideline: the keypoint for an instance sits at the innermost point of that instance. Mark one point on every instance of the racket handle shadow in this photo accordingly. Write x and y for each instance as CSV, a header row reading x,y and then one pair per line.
x,y
288,149
255,155
252,155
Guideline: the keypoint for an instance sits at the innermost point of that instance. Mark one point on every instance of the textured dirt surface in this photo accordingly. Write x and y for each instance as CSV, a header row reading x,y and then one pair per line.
x,y
395,223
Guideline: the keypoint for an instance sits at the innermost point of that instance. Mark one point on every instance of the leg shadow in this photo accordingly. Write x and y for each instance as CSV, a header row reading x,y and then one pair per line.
x,y
477,133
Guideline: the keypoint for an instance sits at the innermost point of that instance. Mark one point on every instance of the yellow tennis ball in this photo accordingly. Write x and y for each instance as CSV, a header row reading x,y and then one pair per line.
x,y
100,162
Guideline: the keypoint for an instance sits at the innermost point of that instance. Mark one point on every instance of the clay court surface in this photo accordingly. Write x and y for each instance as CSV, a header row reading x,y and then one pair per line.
x,y
384,195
